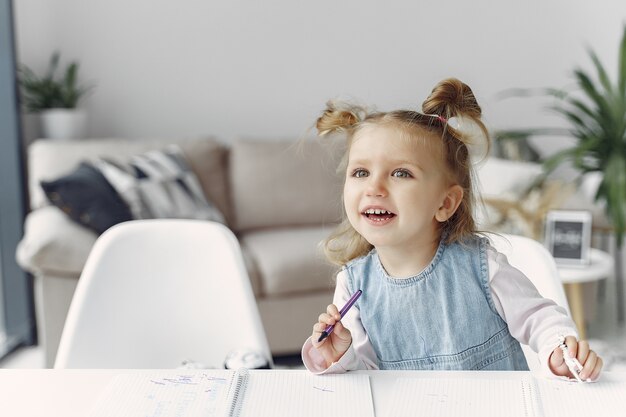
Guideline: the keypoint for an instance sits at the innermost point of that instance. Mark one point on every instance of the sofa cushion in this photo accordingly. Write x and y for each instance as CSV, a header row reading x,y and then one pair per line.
x,y
284,183
53,243
88,198
48,160
290,260
209,159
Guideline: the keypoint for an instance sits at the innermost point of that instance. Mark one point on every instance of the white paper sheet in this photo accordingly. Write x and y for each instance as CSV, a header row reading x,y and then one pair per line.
x,y
307,395
458,397
210,393
166,394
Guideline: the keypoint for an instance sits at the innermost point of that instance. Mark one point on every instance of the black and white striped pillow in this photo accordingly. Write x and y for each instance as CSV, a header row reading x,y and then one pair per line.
x,y
159,184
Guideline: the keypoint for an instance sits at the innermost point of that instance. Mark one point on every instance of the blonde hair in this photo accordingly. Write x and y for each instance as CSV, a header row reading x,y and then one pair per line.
x,y
449,99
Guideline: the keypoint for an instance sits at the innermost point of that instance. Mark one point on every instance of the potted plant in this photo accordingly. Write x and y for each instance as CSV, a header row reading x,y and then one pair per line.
x,y
596,118
56,99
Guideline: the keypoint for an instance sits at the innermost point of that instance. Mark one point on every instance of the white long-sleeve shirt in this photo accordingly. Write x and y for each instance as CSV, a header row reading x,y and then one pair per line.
x,y
531,319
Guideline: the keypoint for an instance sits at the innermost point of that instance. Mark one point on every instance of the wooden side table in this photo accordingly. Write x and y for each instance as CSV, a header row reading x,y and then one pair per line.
x,y
600,267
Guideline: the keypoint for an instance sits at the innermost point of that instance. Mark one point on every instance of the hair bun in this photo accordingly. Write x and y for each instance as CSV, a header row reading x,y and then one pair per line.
x,y
455,102
339,116
451,97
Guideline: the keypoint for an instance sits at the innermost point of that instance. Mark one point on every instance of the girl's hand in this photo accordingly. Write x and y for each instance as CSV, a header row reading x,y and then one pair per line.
x,y
337,343
591,362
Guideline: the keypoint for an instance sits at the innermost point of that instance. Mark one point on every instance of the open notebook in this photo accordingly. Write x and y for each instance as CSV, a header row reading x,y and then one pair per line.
x,y
524,397
225,393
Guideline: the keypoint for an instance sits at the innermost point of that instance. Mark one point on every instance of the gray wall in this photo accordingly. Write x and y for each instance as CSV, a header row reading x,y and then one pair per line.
x,y
266,68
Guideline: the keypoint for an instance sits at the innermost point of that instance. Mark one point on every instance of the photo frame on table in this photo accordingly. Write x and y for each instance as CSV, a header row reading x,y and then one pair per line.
x,y
568,236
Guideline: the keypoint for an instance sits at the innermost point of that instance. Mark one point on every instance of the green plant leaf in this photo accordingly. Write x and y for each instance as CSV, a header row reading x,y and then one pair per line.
x,y
614,187
587,85
602,75
54,63
572,116
621,70
39,93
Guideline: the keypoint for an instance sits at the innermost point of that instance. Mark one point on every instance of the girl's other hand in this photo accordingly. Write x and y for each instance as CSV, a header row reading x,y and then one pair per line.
x,y
337,343
591,362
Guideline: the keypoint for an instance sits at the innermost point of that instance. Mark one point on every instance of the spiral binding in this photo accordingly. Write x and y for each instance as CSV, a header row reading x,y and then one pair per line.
x,y
531,405
237,392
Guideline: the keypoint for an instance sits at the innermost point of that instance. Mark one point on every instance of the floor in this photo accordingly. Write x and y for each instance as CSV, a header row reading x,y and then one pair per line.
x,y
606,336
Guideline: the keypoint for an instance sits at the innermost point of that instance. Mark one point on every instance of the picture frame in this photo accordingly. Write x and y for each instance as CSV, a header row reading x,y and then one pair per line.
x,y
568,236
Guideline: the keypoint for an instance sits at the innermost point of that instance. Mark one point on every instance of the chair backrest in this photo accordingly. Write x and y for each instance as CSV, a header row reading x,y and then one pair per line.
x,y
536,262
155,293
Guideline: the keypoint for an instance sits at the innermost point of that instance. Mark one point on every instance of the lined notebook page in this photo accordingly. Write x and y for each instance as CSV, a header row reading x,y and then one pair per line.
x,y
197,394
302,394
460,397
572,399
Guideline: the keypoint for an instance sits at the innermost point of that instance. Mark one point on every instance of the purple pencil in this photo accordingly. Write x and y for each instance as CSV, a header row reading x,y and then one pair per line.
x,y
329,329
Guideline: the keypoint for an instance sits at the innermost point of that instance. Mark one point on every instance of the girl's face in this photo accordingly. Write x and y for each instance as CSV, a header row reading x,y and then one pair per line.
x,y
395,192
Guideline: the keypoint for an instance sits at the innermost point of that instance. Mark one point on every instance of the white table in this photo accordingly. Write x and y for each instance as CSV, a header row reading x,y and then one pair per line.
x,y
599,267
72,393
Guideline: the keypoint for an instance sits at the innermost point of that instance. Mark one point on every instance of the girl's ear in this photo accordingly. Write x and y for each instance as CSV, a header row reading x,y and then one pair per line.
x,y
452,200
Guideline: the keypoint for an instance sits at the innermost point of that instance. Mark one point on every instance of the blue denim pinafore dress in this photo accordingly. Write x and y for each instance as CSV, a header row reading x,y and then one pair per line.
x,y
441,319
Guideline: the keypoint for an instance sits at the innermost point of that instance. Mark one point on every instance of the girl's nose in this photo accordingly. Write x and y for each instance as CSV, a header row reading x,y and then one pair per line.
x,y
376,188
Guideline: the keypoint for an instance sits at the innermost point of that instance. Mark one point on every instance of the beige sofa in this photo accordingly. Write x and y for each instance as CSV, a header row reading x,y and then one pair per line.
x,y
281,198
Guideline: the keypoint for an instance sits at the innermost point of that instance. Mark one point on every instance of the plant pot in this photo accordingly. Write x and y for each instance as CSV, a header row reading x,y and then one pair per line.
x,y
63,123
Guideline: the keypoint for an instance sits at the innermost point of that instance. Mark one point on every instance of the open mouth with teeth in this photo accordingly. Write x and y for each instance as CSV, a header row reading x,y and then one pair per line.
x,y
378,215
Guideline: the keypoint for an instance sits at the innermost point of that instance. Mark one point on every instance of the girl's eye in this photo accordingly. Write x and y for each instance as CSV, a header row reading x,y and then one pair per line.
x,y
360,173
401,173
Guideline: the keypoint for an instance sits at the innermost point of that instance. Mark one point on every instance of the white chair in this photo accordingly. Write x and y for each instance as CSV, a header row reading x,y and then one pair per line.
x,y
155,293
536,262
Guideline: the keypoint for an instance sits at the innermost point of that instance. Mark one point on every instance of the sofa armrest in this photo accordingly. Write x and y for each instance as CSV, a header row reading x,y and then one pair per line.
x,y
53,243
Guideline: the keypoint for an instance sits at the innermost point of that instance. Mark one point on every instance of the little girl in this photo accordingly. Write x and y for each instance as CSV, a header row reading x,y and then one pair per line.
x,y
436,295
